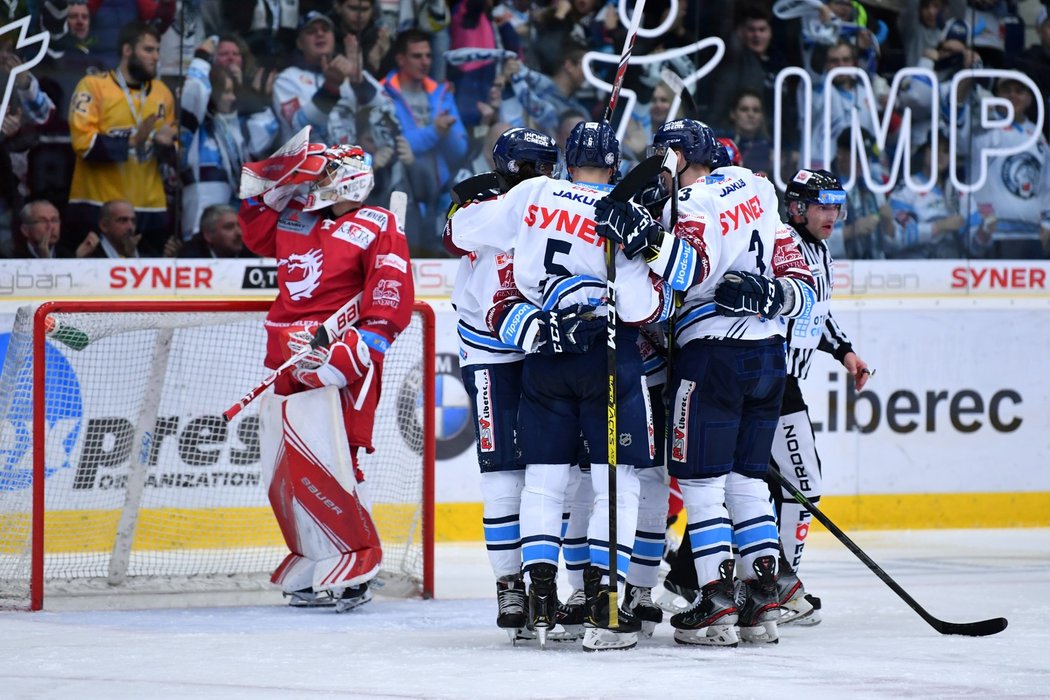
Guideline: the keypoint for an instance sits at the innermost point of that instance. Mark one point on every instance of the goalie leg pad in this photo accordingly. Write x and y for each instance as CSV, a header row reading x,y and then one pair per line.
x,y
313,491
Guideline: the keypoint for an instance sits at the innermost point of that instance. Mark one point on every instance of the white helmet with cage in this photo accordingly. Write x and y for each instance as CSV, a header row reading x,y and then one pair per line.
x,y
347,177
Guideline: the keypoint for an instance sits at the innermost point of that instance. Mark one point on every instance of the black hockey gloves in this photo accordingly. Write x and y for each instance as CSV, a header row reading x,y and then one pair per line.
x,y
571,330
745,293
627,224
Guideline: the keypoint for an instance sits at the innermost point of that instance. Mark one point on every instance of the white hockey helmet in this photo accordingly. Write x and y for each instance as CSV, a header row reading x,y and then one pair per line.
x,y
347,177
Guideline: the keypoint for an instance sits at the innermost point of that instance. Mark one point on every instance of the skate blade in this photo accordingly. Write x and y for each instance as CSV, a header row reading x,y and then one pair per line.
x,y
521,634
319,601
765,633
541,634
648,628
713,636
599,639
671,602
566,633
800,613
345,606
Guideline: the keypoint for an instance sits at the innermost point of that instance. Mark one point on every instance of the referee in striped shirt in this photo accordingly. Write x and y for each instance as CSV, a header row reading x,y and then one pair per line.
x,y
815,201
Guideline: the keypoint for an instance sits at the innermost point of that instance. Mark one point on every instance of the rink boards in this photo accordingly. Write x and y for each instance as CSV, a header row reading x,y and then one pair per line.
x,y
950,433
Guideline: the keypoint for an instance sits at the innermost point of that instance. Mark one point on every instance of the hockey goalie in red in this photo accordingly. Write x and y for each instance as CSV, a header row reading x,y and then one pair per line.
x,y
303,206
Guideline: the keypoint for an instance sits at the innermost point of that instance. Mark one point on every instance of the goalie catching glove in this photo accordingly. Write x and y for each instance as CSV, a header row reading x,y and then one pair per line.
x,y
341,364
745,294
627,224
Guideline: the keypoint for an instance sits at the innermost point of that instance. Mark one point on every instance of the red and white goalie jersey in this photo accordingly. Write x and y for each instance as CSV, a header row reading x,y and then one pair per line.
x,y
731,219
321,264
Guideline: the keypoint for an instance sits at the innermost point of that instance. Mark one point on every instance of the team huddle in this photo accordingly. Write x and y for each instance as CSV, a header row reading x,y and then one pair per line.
x,y
708,281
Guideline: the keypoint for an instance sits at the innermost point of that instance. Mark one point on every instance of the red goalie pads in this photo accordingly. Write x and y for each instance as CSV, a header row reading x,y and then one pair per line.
x,y
313,491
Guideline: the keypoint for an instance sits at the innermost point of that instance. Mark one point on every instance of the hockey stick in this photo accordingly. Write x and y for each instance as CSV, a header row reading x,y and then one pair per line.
x,y
332,327
610,332
983,628
682,97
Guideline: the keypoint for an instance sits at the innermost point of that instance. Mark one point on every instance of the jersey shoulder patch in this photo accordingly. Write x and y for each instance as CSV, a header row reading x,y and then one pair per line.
x,y
379,218
355,234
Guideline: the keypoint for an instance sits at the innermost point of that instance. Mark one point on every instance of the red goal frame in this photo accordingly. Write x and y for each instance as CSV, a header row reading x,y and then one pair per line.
x,y
36,584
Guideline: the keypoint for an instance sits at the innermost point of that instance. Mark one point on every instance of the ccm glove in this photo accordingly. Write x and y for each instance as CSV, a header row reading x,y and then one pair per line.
x,y
627,224
570,330
745,293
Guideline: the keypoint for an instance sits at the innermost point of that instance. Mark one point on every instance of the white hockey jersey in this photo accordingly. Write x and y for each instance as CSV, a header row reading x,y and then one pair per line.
x,y
1017,191
483,277
559,260
731,219
914,215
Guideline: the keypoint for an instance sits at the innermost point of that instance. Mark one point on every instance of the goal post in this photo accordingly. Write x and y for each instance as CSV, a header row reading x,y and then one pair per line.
x,y
118,472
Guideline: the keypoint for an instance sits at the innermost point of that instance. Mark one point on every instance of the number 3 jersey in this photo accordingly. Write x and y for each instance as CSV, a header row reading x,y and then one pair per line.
x,y
730,221
548,225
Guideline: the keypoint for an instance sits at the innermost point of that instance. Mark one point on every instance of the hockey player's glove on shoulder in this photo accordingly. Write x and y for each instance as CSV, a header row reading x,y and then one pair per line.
x,y
570,330
744,294
341,364
627,224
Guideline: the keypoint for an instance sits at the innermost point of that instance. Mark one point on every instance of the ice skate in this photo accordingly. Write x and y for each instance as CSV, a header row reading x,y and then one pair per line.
x,y
570,618
710,622
510,597
309,598
673,599
761,607
639,601
796,606
543,600
598,636
353,597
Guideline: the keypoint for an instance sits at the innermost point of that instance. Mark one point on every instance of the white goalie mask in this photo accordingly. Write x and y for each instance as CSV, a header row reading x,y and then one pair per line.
x,y
347,177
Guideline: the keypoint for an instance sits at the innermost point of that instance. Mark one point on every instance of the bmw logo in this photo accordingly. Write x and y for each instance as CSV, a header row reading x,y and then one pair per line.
x,y
453,427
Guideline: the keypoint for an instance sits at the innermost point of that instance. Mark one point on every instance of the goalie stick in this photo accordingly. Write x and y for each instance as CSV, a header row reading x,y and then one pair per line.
x,y
333,327
983,628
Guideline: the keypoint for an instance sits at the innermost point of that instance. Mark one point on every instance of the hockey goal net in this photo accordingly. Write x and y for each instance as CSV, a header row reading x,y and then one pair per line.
x,y
118,472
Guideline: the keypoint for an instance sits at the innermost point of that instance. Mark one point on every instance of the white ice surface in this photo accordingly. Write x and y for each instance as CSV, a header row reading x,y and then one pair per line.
x,y
869,645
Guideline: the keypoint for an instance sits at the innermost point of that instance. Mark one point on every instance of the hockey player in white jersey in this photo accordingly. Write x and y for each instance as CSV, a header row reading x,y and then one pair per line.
x,y
559,262
740,269
491,365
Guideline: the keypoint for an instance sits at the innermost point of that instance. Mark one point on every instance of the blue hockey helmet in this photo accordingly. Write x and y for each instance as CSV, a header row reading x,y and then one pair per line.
x,y
695,139
593,145
521,153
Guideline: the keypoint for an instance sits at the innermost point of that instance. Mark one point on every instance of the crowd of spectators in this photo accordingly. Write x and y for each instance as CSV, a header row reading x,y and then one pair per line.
x,y
128,137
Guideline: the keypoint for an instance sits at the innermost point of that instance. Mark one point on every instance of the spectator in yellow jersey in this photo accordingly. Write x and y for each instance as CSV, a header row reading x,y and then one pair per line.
x,y
122,125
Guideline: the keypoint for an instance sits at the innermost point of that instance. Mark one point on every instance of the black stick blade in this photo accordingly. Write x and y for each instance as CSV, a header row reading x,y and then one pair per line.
x,y
984,628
